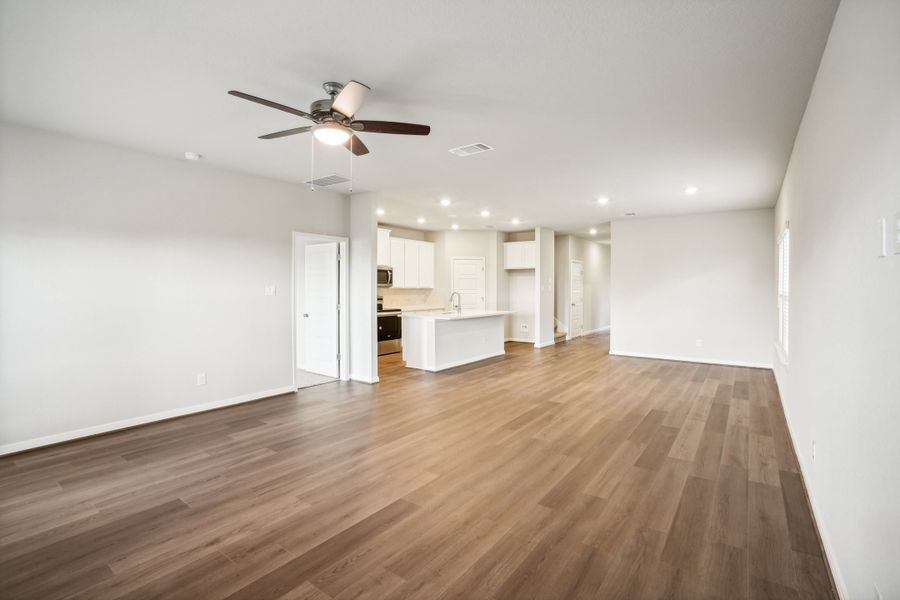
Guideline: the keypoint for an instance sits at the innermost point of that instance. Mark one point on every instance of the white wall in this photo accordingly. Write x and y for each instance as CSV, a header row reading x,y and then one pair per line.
x,y
363,296
543,289
675,280
841,387
123,275
521,287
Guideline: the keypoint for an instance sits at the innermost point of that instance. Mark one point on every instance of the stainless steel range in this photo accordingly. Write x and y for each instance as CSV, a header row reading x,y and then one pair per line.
x,y
389,329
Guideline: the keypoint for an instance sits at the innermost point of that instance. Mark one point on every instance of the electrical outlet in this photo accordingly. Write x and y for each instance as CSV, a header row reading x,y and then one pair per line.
x,y
271,290
814,450
201,378
699,343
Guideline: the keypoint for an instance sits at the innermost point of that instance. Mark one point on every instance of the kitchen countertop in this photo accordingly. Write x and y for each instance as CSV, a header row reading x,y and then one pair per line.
x,y
440,315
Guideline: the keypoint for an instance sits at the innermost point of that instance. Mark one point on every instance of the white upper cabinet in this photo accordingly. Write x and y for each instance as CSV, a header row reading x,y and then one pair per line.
x,y
413,263
519,255
384,247
426,265
398,261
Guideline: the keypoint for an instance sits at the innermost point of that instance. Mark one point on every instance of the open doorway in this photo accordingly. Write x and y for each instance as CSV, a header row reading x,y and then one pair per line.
x,y
319,307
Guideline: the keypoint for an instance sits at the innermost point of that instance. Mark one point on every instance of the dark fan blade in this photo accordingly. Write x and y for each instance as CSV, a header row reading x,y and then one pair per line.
x,y
390,127
355,145
350,99
285,133
271,104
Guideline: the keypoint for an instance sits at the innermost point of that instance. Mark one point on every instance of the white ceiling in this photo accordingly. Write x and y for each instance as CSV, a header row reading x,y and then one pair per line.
x,y
630,99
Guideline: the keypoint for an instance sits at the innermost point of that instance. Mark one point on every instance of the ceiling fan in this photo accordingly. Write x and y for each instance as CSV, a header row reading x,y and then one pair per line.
x,y
333,118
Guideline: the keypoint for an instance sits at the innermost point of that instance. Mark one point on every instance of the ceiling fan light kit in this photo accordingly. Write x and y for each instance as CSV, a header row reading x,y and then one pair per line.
x,y
333,117
331,133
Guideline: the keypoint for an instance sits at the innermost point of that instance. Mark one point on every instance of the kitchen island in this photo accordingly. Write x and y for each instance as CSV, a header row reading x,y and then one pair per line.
x,y
438,340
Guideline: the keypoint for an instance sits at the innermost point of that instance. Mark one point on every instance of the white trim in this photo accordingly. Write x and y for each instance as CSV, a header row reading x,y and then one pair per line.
x,y
692,359
598,330
830,553
364,379
67,436
521,340
545,344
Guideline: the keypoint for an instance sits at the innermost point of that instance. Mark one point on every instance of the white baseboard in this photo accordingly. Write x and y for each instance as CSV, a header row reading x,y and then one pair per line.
x,y
545,344
364,379
830,555
521,340
135,421
691,359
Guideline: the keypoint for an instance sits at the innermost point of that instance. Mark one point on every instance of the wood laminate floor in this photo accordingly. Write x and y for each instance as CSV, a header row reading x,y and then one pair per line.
x,y
553,473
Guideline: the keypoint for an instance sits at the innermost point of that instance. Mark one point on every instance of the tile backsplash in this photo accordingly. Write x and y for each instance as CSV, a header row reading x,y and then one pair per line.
x,y
408,298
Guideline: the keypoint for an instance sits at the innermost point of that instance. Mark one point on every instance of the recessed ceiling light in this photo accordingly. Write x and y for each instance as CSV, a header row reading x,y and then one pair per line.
x,y
379,211
515,220
603,200
445,201
593,231
629,214
485,213
454,226
420,220
691,190
192,156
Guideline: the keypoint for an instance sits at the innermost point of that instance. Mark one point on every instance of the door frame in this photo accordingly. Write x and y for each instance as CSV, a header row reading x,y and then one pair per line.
x,y
343,300
483,273
569,335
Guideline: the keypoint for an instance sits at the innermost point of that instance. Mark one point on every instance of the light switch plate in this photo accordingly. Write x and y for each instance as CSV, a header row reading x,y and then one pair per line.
x,y
883,238
271,290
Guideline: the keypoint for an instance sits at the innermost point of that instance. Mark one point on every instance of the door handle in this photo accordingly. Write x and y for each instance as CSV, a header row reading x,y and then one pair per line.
x,y
305,315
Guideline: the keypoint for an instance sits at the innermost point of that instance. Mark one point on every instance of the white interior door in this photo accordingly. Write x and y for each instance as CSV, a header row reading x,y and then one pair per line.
x,y
321,309
468,280
576,316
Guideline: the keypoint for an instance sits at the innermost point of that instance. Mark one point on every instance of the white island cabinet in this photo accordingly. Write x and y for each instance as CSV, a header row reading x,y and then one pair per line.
x,y
435,341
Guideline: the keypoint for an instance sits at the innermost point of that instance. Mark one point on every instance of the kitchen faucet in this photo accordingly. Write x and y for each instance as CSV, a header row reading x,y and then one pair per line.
x,y
458,302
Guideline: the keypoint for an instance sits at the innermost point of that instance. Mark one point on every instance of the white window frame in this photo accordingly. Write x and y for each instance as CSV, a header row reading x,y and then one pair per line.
x,y
784,292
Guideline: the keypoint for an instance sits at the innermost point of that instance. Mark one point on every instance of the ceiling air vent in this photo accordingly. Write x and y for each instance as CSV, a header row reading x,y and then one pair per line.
x,y
471,149
328,180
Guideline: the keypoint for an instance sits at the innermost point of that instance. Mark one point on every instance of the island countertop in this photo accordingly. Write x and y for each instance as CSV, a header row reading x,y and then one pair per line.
x,y
453,315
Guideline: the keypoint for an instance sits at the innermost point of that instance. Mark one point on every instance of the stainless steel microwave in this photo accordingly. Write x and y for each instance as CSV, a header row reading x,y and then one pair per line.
x,y
385,276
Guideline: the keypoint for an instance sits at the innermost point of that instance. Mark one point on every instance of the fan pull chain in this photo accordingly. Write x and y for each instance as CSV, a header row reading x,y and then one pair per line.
x,y
351,163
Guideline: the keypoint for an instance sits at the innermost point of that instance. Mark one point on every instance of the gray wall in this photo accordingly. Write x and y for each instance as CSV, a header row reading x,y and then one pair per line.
x,y
123,275
841,383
